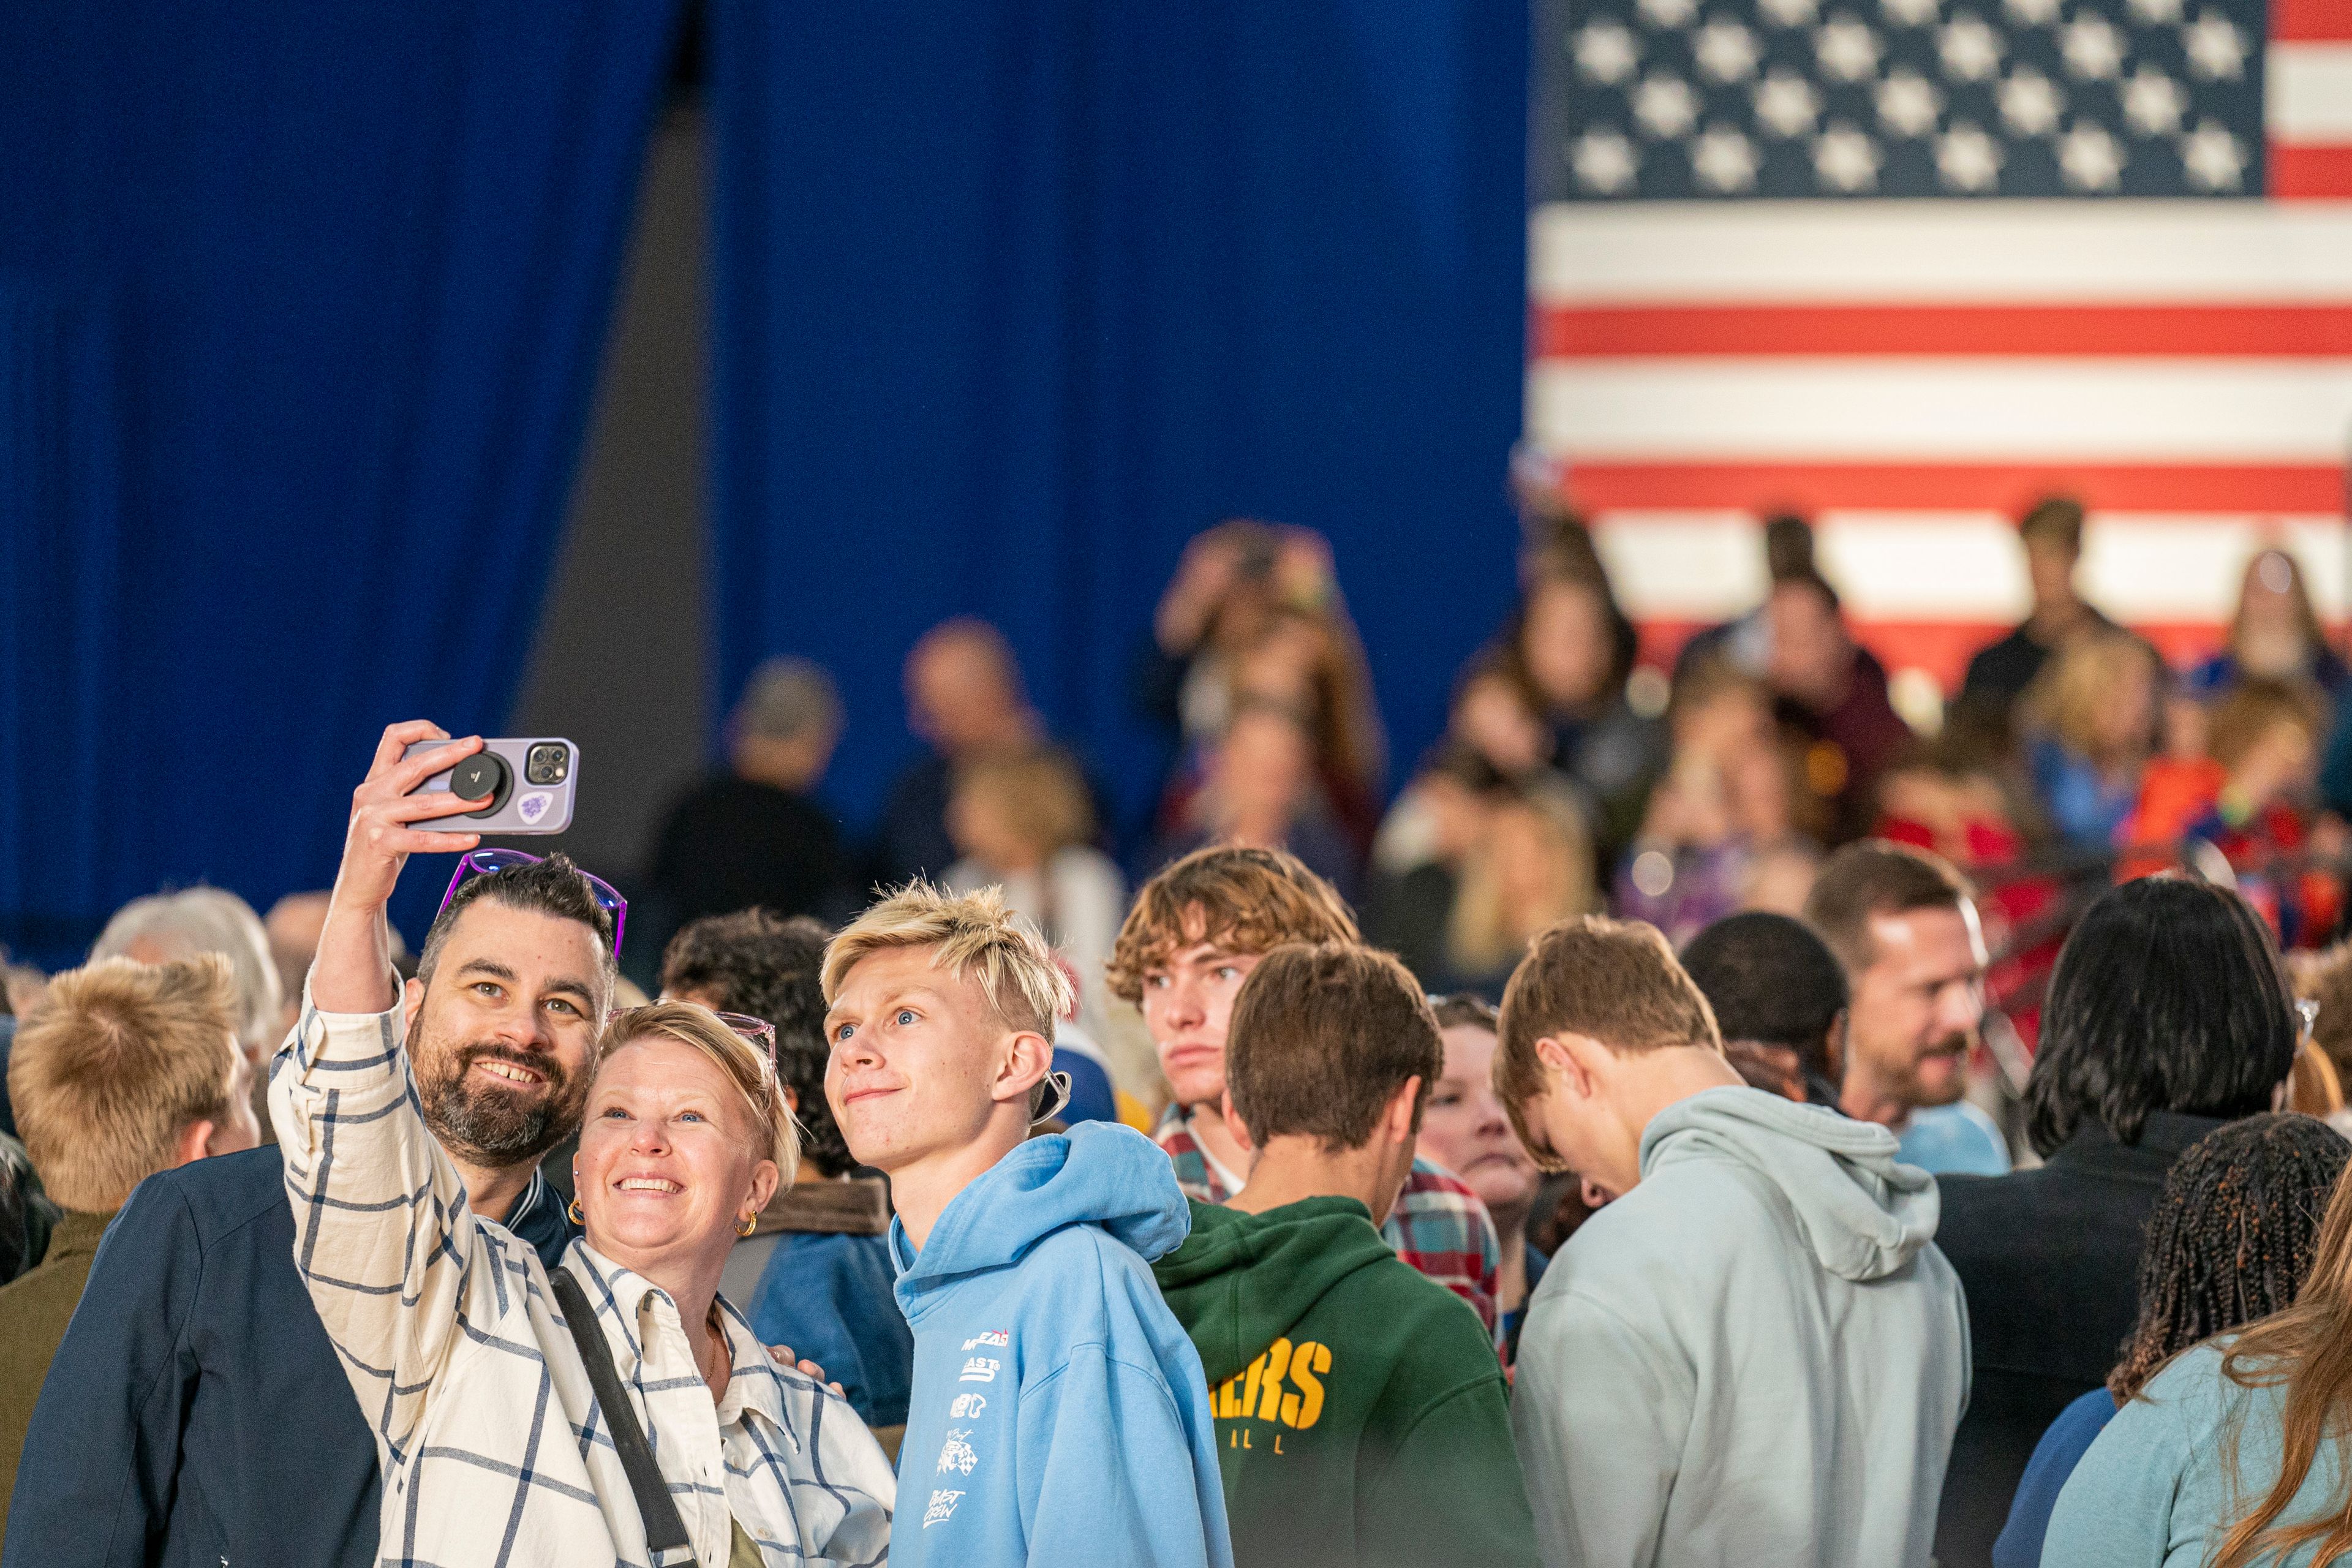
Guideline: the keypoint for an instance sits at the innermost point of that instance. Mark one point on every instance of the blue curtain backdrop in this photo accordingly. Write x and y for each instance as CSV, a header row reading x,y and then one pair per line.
x,y
300,311
1013,297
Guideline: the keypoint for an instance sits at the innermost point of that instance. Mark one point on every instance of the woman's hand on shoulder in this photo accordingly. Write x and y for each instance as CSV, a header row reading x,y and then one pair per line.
x,y
784,1358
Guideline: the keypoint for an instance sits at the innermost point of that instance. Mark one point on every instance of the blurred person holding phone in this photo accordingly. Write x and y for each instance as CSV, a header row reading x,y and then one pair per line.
x,y
473,1360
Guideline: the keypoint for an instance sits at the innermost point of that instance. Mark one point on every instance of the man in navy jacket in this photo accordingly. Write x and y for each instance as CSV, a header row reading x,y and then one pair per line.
x,y
195,1413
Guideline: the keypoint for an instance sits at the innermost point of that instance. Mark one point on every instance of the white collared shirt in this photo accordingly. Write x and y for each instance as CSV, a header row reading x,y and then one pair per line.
x,y
493,1449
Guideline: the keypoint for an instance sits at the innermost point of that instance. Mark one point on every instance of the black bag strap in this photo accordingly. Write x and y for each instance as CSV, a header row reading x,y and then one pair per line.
x,y
665,1530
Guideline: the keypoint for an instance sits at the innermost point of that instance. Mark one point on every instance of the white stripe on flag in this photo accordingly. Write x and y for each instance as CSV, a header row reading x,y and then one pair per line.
x,y
2308,94
1960,566
1922,252
1925,409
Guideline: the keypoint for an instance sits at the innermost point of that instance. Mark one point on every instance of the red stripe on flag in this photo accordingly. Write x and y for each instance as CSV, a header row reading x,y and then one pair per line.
x,y
2305,171
1604,486
1569,331
2310,21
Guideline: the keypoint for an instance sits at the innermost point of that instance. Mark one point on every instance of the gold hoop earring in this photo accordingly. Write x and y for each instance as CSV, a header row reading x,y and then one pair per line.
x,y
749,1225
572,1213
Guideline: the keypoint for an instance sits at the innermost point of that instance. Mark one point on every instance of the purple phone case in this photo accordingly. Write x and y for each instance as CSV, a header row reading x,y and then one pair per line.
x,y
529,808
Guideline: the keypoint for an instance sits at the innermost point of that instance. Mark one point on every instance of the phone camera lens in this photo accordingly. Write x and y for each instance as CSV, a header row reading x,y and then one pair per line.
x,y
547,764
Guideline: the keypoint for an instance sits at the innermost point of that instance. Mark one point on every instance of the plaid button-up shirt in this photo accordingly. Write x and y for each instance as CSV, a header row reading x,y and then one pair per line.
x,y
1438,1225
493,1449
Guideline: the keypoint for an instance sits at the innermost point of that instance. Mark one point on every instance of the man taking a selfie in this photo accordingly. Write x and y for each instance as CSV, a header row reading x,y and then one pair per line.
x,y
1058,1412
195,1412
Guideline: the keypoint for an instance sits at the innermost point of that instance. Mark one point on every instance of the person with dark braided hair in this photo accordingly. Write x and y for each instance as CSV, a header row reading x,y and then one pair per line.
x,y
2231,1240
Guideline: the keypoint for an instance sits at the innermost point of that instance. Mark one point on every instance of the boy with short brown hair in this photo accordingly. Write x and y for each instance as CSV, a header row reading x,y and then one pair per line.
x,y
1762,1313
1361,1414
1194,935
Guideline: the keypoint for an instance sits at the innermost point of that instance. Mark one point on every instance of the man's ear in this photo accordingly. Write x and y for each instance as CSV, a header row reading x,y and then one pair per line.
x,y
1028,1057
1571,1057
1234,1123
1396,1124
412,997
194,1141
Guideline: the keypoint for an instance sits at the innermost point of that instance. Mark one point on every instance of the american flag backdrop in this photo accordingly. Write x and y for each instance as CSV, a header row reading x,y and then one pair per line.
x,y
1906,265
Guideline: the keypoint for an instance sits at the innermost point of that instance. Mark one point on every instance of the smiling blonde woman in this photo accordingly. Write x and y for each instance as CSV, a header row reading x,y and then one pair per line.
x,y
494,1446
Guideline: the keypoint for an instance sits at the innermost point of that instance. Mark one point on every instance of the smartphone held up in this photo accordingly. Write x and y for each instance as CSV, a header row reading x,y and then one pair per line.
x,y
525,786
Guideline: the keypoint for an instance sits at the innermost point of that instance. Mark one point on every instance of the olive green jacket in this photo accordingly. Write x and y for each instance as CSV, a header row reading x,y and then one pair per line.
x,y
37,1307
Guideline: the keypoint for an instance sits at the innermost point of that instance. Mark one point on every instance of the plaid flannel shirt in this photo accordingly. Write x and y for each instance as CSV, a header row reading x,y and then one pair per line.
x,y
493,1449
1438,1225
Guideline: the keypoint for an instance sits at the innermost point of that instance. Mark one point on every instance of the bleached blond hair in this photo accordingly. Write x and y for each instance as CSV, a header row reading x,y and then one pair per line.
x,y
977,937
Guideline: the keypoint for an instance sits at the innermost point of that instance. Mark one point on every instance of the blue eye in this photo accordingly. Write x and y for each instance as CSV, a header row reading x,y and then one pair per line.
x,y
845,1031
905,1017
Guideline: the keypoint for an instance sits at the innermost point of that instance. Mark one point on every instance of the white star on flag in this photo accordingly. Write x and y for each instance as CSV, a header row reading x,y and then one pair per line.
x,y
1725,50
1604,162
1969,48
1847,48
1845,159
2093,48
2212,158
1787,104
1966,158
1908,102
1724,159
1665,106
2030,103
2215,50
1606,52
2153,101
2090,159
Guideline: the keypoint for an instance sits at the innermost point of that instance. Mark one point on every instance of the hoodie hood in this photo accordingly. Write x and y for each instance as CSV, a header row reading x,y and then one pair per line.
x,y
1242,1282
1863,1213
1097,1173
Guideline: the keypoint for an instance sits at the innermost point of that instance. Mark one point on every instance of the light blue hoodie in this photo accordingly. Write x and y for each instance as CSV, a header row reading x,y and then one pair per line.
x,y
1756,1355
1058,1414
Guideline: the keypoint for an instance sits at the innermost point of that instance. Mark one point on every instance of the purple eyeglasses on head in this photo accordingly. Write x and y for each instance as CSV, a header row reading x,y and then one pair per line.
x,y
491,862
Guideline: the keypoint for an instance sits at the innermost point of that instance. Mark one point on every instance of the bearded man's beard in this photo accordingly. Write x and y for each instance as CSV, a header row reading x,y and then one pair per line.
x,y
487,1125
1915,1090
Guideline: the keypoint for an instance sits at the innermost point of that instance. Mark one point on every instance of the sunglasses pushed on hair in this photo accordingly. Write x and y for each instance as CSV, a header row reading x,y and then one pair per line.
x,y
491,862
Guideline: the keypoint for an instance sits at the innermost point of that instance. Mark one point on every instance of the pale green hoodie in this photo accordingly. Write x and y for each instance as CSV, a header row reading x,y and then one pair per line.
x,y
1757,1356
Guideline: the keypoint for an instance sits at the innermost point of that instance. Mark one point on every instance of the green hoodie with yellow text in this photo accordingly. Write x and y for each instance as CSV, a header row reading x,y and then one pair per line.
x,y
1361,1414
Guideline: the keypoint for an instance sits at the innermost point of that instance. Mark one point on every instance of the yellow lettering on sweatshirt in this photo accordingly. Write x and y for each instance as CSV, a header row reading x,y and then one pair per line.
x,y
1304,1408
1258,1393
1277,1360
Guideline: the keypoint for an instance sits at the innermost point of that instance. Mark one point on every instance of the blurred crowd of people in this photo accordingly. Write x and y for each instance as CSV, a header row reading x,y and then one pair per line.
x,y
1704,1113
